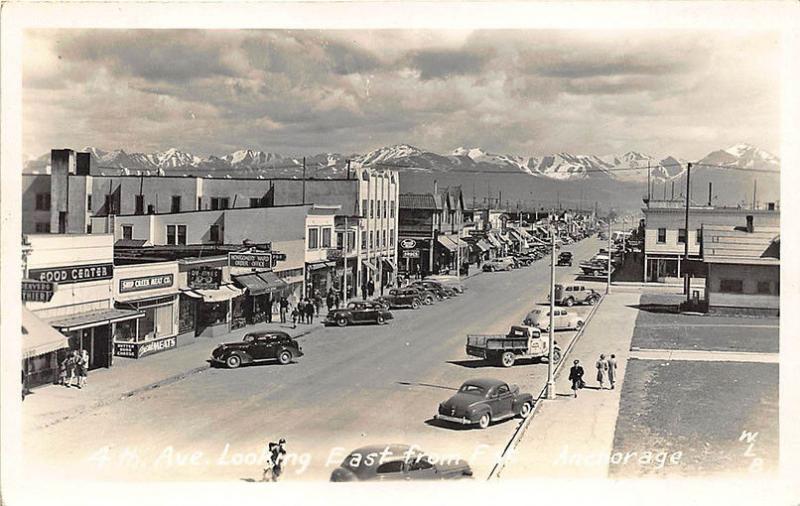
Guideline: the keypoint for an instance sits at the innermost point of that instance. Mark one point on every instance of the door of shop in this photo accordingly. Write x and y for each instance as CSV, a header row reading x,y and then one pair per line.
x,y
97,343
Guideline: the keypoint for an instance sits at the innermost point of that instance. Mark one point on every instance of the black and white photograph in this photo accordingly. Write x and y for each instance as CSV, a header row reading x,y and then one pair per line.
x,y
274,247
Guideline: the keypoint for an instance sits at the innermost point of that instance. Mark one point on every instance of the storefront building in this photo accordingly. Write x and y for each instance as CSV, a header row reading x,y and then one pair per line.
x,y
152,290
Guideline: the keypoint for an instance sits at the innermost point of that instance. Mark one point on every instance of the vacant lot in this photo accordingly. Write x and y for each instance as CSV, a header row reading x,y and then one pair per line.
x,y
660,326
700,409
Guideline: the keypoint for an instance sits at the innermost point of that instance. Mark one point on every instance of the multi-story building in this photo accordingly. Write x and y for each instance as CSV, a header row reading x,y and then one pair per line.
x,y
71,197
665,234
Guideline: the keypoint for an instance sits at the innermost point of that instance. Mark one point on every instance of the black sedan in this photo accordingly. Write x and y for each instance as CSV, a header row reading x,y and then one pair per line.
x,y
397,462
257,347
358,312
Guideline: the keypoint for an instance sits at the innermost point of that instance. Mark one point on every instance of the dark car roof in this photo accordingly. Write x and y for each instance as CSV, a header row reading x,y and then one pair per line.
x,y
277,333
486,383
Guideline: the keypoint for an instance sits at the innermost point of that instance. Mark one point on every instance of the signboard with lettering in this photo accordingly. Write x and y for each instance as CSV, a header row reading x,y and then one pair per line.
x,y
205,278
139,350
250,260
410,253
37,291
146,283
74,274
333,254
408,244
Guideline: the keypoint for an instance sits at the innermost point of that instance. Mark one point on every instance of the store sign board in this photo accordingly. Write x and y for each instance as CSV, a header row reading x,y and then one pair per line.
x,y
410,253
251,260
127,350
408,244
146,283
205,278
37,291
139,350
73,274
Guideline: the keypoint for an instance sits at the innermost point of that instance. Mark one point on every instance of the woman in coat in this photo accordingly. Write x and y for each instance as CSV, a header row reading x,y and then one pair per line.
x,y
576,376
602,370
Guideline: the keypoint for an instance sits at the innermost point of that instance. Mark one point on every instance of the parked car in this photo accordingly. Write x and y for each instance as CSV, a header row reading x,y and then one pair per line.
x,y
358,312
595,267
483,401
257,347
498,264
397,462
569,295
521,342
438,289
453,282
401,298
563,319
565,258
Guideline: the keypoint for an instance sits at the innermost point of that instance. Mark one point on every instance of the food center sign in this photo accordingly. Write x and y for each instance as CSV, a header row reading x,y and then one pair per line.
x,y
74,274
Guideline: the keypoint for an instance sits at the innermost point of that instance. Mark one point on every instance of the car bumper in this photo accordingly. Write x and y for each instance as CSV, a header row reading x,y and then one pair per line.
x,y
454,419
216,360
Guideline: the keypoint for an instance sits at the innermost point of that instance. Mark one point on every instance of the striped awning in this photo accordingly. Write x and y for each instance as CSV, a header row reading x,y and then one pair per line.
x,y
38,337
93,318
221,294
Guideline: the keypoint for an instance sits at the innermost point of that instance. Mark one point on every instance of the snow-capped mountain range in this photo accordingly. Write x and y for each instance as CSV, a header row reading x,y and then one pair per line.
x,y
631,166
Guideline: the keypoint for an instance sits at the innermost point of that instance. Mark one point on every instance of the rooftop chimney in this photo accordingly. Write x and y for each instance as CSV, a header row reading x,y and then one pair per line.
x,y
749,223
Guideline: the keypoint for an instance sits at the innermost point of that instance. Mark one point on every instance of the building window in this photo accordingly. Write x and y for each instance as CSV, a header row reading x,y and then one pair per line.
x,y
199,203
219,203
391,238
89,202
127,231
43,228
326,237
42,201
176,235
107,203
371,239
175,207
371,208
139,204
214,234
313,238
383,241
363,241
698,238
385,208
88,228
363,207
255,202
681,236
763,287
391,209
731,286
662,235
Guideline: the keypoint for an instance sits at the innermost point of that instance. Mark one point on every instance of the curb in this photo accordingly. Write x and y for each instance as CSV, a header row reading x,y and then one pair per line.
x,y
523,426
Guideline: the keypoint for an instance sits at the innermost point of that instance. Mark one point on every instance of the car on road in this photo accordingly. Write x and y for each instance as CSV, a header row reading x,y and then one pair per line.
x,y
439,290
257,347
569,295
407,297
483,401
453,282
358,312
398,462
498,264
565,258
562,319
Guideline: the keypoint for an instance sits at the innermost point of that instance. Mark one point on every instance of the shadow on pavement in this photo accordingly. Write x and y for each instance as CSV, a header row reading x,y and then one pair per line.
x,y
410,384
657,308
441,424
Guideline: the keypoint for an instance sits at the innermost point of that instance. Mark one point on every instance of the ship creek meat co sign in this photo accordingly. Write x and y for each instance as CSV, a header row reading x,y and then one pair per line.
x,y
146,283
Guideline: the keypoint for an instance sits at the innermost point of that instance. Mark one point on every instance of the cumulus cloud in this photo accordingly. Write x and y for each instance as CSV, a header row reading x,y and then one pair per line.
x,y
308,91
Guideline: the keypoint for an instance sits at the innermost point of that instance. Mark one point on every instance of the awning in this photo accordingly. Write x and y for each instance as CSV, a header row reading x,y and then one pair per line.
x,y
369,265
484,245
38,337
391,265
93,318
494,241
320,265
253,283
447,243
221,294
274,283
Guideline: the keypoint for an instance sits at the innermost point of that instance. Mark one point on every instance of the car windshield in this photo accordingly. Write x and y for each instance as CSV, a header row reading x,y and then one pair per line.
x,y
472,389
249,338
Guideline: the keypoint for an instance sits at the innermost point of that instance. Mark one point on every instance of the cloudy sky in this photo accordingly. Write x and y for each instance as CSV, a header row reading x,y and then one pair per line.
x,y
531,92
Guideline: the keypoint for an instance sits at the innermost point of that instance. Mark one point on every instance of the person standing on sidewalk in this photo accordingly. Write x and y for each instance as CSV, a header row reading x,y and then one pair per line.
x,y
83,368
62,371
329,300
612,370
371,288
602,371
309,311
364,291
337,301
301,311
576,376
284,306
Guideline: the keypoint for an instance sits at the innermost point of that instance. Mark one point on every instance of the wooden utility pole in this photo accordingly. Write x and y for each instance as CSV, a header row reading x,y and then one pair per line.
x,y
755,192
551,390
304,180
686,277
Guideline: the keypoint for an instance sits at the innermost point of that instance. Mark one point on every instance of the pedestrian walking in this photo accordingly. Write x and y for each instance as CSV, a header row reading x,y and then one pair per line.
x,y
301,311
371,288
295,317
62,371
266,474
309,311
576,376
337,301
364,291
70,368
284,306
612,370
276,455
82,368
317,301
269,309
602,371
329,300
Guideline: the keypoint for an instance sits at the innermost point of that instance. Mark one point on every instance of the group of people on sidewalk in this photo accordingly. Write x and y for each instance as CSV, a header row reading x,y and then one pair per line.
x,y
273,467
606,370
73,369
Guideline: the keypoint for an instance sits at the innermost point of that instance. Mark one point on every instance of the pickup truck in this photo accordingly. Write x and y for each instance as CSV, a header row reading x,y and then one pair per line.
x,y
521,342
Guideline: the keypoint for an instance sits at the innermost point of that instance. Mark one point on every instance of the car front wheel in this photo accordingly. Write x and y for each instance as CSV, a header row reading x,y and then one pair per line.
x,y
284,357
484,420
233,361
381,320
341,321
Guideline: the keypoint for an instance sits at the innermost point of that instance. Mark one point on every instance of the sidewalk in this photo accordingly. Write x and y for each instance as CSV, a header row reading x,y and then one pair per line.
x,y
51,404
573,438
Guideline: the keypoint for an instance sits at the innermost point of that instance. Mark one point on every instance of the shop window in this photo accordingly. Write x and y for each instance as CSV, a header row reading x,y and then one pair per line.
x,y
88,228
313,238
326,237
681,236
127,231
186,314
662,236
763,287
731,286
42,201
214,234
43,228
139,204
175,204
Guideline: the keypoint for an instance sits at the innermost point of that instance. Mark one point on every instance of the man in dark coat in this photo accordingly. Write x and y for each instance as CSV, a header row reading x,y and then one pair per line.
x,y
576,376
330,299
364,291
309,311
371,288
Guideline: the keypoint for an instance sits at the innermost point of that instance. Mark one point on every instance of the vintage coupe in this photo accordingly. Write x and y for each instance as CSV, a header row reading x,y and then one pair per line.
x,y
562,319
453,282
483,401
397,462
257,347
439,290
407,297
498,264
358,312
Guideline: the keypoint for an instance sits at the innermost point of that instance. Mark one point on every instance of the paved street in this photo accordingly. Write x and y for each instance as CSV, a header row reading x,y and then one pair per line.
x,y
354,386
